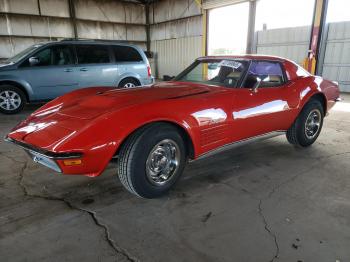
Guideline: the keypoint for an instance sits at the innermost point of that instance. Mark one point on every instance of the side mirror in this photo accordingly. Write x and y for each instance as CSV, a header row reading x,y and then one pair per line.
x,y
34,61
257,84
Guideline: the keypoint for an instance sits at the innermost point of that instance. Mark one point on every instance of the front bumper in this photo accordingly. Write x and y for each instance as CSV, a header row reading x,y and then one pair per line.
x,y
44,157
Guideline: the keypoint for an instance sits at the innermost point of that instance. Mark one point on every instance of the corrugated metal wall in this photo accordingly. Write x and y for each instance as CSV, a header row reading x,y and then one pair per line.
x,y
174,55
208,4
25,22
292,43
176,35
337,57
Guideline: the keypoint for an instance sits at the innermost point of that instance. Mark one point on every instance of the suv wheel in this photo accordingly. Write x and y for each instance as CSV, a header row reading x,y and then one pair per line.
x,y
152,160
12,99
129,82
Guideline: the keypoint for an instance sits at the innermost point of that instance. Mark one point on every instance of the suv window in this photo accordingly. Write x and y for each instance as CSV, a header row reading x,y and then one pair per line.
x,y
126,54
92,54
270,73
54,55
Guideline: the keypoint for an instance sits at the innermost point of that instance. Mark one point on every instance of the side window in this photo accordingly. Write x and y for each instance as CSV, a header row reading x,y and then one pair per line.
x,y
51,56
62,55
92,54
126,54
44,57
270,74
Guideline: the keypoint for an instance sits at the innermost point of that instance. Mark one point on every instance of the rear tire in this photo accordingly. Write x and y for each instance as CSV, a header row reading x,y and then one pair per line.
x,y
307,127
12,99
152,160
129,82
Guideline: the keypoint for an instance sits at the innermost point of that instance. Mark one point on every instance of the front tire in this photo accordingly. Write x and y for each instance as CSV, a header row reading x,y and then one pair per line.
x,y
12,99
307,127
152,160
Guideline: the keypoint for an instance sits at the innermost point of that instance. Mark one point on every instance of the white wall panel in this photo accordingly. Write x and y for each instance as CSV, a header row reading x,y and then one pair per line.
x,y
177,29
337,56
209,4
167,10
35,26
110,11
97,19
291,43
13,45
54,8
174,55
19,6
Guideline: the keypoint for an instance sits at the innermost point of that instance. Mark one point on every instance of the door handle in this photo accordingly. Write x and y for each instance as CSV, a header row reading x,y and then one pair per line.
x,y
68,70
83,69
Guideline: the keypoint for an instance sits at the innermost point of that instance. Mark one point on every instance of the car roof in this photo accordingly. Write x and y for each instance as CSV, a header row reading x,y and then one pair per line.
x,y
83,41
247,57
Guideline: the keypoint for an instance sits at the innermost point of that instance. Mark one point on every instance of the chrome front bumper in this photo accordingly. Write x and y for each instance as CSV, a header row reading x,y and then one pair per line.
x,y
44,157
45,161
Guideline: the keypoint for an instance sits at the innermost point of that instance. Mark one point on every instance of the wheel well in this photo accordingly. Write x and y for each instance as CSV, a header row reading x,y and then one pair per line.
x,y
12,83
321,98
130,77
187,139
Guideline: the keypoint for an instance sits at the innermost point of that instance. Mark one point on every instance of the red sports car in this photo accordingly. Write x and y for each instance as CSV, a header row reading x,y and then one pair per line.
x,y
215,104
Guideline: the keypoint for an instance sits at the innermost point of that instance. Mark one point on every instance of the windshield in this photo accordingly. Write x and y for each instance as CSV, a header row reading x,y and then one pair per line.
x,y
221,72
20,55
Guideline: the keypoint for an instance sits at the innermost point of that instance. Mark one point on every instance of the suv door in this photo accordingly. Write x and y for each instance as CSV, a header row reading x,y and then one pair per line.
x,y
53,73
265,109
94,65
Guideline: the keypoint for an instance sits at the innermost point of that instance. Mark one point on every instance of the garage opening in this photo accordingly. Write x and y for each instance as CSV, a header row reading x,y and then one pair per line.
x,y
228,29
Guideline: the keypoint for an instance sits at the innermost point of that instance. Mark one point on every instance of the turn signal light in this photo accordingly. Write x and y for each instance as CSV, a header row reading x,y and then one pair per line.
x,y
72,162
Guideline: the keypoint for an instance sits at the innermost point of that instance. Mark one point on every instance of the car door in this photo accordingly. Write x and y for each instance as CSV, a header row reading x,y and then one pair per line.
x,y
95,65
263,104
51,72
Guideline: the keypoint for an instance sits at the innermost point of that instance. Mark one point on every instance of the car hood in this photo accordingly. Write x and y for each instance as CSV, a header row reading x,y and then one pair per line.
x,y
101,102
5,66
66,116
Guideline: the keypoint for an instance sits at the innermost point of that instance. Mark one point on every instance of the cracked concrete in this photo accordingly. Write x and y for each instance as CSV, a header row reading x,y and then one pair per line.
x,y
267,228
267,201
93,215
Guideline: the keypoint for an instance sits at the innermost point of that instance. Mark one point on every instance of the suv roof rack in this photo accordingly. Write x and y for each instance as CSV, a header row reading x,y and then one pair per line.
x,y
96,40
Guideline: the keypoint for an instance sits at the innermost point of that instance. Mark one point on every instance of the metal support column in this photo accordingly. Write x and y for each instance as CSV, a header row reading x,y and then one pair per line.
x,y
251,27
318,25
148,28
73,17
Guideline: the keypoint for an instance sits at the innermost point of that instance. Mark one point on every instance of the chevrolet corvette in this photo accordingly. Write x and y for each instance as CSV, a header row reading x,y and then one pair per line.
x,y
217,103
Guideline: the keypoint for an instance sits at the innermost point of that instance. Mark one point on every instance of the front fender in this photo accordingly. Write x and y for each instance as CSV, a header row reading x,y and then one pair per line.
x,y
18,81
101,138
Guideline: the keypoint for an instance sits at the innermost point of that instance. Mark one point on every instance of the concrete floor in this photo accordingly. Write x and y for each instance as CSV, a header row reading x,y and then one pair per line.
x,y
263,202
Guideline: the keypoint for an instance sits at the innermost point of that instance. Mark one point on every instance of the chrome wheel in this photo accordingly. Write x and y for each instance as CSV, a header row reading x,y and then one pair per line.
x,y
163,162
313,123
10,100
128,85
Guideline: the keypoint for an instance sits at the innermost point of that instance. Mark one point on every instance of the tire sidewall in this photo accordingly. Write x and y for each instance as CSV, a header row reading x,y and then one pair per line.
x,y
302,138
143,147
19,92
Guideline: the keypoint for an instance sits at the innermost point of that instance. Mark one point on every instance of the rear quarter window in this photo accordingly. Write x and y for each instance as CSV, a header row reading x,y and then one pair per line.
x,y
126,54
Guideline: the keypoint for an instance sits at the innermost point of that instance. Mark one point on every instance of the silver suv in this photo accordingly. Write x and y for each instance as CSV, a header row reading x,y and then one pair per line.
x,y
45,71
